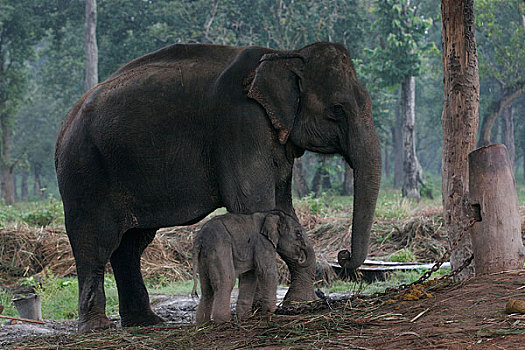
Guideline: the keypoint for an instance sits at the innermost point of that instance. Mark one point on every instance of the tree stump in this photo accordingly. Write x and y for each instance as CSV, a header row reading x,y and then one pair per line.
x,y
496,235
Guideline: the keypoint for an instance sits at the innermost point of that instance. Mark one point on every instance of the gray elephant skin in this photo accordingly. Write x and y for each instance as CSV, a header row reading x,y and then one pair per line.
x,y
177,133
245,246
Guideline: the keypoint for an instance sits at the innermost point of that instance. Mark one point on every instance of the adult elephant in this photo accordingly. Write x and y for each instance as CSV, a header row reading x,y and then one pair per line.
x,y
177,133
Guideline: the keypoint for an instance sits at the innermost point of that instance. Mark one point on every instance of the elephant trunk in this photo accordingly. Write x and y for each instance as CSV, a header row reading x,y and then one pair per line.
x,y
363,154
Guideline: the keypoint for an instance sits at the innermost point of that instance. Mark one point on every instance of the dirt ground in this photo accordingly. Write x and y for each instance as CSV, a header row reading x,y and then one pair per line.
x,y
469,315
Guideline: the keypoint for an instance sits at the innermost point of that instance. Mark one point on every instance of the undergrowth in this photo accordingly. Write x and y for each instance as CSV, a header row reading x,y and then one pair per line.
x,y
40,214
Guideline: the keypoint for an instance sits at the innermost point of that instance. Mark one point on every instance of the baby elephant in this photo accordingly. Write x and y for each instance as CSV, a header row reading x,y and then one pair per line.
x,y
242,245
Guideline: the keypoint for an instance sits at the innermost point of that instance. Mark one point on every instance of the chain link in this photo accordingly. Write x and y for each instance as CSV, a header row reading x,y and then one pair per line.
x,y
440,262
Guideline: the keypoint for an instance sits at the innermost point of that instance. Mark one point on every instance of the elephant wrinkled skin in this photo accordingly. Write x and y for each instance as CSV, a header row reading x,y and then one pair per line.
x,y
244,246
179,132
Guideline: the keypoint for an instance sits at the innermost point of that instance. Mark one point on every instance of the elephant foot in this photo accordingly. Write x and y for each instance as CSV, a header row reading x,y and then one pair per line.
x,y
300,295
142,319
94,323
221,318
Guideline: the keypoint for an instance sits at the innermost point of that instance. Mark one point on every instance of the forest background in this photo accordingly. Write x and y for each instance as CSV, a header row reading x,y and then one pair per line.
x,y
395,46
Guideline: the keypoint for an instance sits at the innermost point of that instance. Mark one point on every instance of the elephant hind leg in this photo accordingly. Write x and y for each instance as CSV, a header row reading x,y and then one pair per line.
x,y
92,246
204,309
222,277
134,305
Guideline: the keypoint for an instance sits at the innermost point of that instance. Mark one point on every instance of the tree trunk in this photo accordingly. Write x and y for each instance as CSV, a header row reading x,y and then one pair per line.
x,y
7,188
15,195
496,235
348,182
523,154
488,121
507,133
319,181
460,119
301,187
387,163
37,187
24,193
91,44
397,149
408,109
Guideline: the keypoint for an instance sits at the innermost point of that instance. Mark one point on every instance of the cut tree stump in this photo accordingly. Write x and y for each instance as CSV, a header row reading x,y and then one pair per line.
x,y
496,235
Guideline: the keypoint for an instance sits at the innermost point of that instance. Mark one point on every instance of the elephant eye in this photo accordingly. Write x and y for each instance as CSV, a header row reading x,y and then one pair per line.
x,y
337,112
298,234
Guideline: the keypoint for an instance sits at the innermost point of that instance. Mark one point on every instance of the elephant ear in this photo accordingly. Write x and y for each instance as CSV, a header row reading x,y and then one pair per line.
x,y
270,228
276,87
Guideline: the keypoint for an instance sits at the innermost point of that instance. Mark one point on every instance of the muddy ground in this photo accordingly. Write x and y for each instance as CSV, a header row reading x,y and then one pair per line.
x,y
469,315
175,309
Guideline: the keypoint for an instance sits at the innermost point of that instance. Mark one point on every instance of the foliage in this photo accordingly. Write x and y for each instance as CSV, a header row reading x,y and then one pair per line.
x,y
500,26
400,31
44,215
392,205
32,213
387,39
318,205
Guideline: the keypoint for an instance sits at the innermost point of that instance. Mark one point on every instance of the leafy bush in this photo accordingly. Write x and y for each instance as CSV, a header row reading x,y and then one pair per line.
x,y
42,217
44,214
8,214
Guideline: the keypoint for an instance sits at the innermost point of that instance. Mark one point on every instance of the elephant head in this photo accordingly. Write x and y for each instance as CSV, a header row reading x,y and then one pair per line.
x,y
315,102
288,237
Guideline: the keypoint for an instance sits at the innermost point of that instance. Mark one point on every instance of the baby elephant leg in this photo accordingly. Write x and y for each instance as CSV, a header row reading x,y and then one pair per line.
x,y
222,278
203,313
247,285
267,283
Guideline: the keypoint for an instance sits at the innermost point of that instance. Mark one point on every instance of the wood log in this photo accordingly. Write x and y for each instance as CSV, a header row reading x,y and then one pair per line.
x,y
496,235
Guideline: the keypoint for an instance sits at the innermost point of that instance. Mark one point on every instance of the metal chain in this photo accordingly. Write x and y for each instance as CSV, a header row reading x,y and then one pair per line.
x,y
440,262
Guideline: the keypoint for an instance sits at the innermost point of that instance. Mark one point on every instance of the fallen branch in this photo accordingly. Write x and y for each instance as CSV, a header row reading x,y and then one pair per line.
x,y
22,319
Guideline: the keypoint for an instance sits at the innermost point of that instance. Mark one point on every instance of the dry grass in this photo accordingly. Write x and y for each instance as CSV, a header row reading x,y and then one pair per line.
x,y
26,251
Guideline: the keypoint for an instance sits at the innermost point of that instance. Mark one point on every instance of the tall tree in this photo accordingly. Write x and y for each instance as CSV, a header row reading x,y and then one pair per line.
x,y
460,119
22,25
410,187
91,44
398,61
502,62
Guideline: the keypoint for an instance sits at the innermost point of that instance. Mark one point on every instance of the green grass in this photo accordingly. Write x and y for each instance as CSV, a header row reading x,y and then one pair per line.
x,y
40,213
403,255
394,279
59,296
172,288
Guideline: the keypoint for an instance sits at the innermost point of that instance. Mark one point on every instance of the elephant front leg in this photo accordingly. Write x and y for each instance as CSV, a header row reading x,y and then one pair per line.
x,y
247,285
267,289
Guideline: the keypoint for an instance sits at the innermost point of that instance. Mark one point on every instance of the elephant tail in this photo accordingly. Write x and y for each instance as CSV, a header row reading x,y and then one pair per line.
x,y
195,262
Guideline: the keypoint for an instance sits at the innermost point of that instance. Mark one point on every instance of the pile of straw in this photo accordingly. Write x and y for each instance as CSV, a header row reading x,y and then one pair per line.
x,y
27,251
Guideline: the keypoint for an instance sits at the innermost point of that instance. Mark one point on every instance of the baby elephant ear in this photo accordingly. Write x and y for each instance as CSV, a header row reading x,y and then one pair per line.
x,y
270,228
276,87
